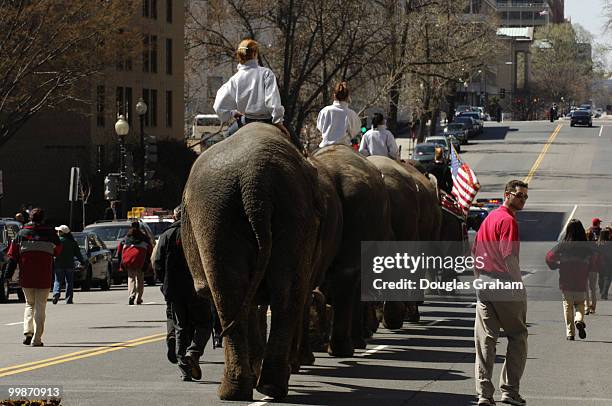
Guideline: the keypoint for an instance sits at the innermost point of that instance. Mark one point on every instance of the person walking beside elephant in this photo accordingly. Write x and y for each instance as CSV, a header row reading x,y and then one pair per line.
x,y
191,312
252,94
573,258
497,244
603,262
64,264
591,292
337,122
379,140
33,250
134,253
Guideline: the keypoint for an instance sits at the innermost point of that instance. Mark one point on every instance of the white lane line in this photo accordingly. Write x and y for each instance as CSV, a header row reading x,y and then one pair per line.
x,y
262,402
14,324
372,351
571,216
431,323
579,399
600,130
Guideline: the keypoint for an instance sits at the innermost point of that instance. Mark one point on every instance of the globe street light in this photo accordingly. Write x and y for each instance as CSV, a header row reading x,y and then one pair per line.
x,y
122,128
141,110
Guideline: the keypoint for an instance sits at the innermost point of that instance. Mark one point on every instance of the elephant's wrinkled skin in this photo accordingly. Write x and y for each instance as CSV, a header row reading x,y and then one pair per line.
x,y
250,227
366,217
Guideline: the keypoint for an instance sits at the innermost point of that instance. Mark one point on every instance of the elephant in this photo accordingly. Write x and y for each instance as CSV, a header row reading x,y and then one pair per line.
x,y
366,217
250,225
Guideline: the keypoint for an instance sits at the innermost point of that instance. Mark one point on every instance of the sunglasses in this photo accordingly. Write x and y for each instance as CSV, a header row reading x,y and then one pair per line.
x,y
520,195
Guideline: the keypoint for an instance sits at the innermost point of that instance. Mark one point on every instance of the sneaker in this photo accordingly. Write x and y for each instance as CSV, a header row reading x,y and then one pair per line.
x,y
581,329
172,351
131,301
196,371
139,302
69,302
55,299
217,342
486,402
28,339
570,338
516,400
38,344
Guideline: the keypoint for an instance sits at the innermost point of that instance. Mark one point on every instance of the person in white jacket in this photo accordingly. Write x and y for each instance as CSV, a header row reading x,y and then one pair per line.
x,y
337,122
251,95
378,140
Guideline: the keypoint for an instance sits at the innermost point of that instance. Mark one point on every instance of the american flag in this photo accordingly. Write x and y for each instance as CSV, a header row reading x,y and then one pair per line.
x,y
465,182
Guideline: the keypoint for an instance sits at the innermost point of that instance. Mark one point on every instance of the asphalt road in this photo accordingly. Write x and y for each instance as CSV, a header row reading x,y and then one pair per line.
x,y
102,351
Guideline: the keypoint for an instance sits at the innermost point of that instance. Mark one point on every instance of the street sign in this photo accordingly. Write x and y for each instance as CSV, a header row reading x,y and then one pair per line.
x,y
75,173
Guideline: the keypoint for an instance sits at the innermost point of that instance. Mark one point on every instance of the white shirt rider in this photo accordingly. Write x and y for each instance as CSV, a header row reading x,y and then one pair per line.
x,y
338,124
252,91
379,141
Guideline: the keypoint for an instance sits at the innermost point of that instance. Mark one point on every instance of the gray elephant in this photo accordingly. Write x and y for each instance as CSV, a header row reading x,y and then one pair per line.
x,y
250,229
366,217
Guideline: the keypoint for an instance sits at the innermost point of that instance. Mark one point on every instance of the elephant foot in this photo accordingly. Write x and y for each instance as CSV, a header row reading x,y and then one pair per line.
x,y
413,314
340,348
307,358
359,343
393,315
318,345
239,390
273,381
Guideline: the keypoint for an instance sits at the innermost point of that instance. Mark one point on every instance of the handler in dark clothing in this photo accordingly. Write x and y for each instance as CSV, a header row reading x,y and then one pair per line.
x,y
192,315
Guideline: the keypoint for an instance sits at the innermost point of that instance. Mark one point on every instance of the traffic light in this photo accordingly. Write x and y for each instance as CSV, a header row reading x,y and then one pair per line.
x,y
111,186
150,151
502,93
364,125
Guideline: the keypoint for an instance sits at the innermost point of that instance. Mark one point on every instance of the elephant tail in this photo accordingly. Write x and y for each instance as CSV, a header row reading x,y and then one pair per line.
x,y
260,217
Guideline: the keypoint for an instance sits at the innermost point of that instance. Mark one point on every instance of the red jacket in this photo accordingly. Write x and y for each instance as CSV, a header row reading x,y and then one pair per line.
x,y
134,253
33,250
574,261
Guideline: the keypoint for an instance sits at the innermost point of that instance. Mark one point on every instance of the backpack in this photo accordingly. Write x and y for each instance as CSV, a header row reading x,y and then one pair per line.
x,y
134,255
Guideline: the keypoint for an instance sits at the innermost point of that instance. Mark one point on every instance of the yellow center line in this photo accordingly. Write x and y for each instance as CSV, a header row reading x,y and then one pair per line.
x,y
29,366
538,161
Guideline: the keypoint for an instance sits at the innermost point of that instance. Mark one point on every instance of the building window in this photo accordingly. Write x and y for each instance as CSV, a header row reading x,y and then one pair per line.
x,y
129,102
100,96
119,101
169,11
150,97
169,56
149,9
124,102
169,108
149,53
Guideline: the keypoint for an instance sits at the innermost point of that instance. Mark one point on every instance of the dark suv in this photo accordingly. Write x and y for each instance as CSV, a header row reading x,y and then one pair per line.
x,y
111,233
582,117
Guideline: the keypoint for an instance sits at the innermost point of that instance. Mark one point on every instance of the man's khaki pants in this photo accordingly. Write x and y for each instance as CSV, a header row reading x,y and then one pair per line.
x,y
135,283
34,314
571,301
490,317
590,300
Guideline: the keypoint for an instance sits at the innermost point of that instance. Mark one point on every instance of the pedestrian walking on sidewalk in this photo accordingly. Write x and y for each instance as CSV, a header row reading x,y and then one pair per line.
x,y
63,268
191,312
134,253
33,250
497,244
573,257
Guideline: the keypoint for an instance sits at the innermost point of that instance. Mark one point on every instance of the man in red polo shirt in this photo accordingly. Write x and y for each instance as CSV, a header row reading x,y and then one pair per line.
x,y
497,243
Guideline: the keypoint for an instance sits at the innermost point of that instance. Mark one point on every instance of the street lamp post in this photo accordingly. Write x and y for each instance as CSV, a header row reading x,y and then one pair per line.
x,y
141,110
122,128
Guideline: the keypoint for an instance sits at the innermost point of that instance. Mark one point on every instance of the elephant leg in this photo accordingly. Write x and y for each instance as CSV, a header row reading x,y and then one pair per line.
x,y
413,314
287,304
344,290
393,315
357,328
237,381
303,353
257,338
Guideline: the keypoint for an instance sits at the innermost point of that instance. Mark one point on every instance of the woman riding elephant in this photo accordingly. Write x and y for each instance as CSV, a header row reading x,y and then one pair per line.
x,y
250,229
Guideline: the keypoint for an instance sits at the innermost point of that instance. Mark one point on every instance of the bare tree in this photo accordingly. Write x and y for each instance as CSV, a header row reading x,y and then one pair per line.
x,y
49,47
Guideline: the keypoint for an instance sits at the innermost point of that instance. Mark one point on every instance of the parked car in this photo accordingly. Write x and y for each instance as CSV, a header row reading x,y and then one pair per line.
x,y
8,230
462,108
424,153
470,124
476,116
98,269
459,132
582,117
111,232
443,141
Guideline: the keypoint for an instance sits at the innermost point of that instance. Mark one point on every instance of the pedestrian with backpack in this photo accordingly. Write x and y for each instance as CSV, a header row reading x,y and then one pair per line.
x,y
134,253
